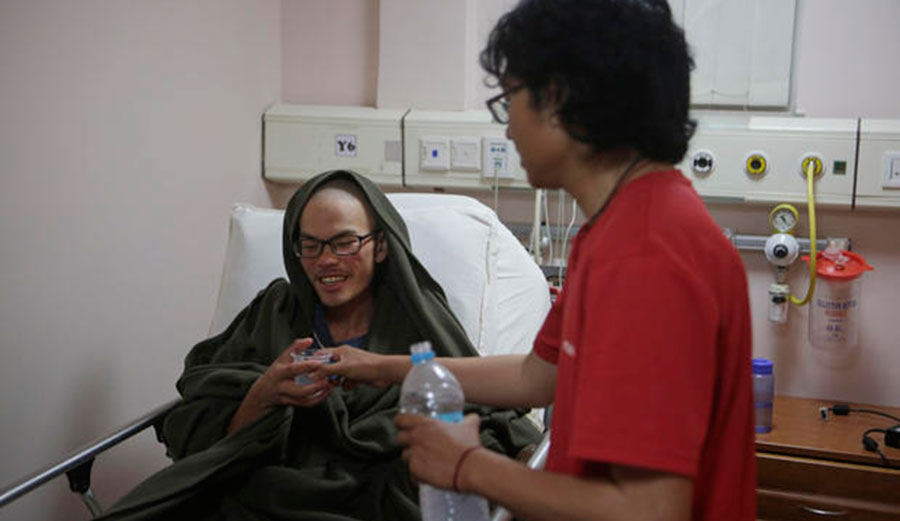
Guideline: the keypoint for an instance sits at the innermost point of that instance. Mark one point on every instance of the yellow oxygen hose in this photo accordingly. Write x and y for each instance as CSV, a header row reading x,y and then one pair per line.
x,y
811,209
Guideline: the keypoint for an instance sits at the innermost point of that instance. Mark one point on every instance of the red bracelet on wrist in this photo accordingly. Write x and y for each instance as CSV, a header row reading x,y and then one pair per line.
x,y
459,462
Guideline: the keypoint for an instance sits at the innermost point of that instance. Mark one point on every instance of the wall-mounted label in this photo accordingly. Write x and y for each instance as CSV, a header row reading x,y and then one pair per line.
x,y
345,145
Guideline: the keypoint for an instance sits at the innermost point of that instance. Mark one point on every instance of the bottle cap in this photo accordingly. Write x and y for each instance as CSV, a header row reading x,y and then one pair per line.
x,y
420,347
421,352
762,366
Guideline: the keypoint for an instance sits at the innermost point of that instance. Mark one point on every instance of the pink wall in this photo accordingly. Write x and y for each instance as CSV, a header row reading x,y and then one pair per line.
x,y
330,51
128,130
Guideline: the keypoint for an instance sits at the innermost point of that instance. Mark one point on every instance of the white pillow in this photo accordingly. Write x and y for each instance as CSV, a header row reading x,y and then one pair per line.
x,y
452,239
252,260
496,291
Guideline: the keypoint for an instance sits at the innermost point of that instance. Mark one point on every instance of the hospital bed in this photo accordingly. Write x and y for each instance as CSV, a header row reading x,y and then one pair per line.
x,y
497,292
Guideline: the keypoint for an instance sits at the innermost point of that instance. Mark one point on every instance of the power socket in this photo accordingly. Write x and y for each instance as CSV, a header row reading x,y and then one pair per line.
x,y
891,166
496,152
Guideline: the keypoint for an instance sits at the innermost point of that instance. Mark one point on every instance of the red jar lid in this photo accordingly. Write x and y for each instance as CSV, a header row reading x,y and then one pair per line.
x,y
854,266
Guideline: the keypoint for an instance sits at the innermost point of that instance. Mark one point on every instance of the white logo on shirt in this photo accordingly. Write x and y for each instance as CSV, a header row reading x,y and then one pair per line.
x,y
568,348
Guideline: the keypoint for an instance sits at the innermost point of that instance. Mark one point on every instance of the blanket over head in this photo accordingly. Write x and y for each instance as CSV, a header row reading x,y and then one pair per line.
x,y
336,461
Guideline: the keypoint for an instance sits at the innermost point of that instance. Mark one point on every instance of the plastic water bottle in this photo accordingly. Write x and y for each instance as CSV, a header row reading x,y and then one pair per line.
x,y
763,393
431,390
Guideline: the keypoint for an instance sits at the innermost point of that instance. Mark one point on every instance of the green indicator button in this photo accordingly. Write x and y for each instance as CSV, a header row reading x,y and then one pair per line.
x,y
840,167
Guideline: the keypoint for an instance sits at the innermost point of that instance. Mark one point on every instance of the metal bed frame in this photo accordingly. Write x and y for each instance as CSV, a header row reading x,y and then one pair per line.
x,y
77,464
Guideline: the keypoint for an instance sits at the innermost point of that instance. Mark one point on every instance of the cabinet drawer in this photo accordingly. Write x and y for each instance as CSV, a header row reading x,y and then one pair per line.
x,y
813,477
774,505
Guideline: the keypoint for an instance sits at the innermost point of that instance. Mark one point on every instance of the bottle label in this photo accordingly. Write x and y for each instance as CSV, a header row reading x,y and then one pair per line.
x,y
452,417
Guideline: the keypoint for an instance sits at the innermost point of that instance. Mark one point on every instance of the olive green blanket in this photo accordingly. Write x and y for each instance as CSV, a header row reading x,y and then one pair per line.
x,y
335,461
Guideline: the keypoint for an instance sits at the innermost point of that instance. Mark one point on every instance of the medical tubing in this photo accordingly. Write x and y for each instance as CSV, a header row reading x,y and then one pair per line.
x,y
811,209
560,216
565,244
496,188
546,205
536,228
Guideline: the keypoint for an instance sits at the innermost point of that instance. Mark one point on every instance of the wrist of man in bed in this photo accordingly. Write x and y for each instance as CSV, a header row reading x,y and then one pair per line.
x,y
395,368
251,408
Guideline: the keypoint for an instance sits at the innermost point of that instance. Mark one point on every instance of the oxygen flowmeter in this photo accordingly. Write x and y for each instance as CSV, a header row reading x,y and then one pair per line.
x,y
782,249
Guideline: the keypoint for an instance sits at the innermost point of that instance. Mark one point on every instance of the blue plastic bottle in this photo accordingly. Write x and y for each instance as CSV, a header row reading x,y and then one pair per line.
x,y
763,393
431,390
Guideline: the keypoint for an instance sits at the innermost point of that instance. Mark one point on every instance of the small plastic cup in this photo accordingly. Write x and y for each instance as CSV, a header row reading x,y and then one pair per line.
x,y
305,356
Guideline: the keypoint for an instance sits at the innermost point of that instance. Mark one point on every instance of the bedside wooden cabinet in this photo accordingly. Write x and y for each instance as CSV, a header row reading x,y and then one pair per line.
x,y
810,469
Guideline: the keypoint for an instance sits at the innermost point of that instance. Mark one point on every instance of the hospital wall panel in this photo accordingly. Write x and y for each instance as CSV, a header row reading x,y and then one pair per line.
x,y
878,179
778,145
304,140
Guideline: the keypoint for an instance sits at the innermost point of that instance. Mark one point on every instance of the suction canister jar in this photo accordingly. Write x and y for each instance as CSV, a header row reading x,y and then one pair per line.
x,y
834,310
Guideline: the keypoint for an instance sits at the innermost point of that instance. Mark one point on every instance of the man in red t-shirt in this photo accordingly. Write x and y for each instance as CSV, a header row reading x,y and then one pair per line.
x,y
651,339
646,352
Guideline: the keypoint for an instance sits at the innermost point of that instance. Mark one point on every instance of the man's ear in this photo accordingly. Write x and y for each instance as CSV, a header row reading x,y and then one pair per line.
x,y
381,248
552,99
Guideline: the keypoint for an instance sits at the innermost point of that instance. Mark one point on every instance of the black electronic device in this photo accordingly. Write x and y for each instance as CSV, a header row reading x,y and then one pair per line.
x,y
891,434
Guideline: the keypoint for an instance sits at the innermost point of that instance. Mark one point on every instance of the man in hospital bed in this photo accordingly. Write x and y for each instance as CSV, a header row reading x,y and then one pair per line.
x,y
249,442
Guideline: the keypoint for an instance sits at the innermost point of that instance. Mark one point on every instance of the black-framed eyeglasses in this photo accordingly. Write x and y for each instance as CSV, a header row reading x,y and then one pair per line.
x,y
499,104
342,245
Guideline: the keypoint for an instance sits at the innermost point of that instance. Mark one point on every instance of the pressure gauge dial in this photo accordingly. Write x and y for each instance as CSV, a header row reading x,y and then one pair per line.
x,y
784,218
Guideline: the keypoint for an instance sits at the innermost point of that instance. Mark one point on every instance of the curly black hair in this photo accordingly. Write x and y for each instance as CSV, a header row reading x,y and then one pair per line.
x,y
619,70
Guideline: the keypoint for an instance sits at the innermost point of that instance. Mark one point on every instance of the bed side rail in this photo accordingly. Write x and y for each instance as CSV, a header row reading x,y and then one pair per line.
x,y
77,464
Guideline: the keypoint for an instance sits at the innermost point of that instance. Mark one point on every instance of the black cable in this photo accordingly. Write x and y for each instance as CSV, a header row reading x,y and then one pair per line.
x,y
883,458
844,410
872,411
871,445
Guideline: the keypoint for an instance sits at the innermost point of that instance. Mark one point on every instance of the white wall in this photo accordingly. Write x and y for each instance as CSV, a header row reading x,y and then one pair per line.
x,y
846,56
423,42
128,129
483,20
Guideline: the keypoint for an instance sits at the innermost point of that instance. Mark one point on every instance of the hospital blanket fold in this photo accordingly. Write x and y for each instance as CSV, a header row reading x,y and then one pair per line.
x,y
335,461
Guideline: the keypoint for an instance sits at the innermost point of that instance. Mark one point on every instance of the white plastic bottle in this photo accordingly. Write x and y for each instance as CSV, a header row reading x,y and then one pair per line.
x,y
763,393
431,390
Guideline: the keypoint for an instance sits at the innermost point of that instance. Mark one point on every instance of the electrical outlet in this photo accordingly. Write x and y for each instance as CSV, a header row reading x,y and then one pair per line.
x,y
496,151
891,164
891,170
465,154
434,154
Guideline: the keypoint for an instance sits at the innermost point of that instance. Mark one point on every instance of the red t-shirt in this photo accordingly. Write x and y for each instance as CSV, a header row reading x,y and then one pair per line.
x,y
652,342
